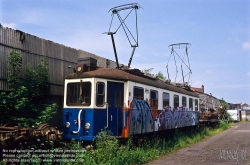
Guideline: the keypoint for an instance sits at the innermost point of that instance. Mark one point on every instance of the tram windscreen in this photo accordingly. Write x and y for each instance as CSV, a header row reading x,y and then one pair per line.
x,y
78,93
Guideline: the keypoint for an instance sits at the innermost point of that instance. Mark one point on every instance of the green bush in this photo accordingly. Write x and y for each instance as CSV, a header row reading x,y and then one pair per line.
x,y
27,101
223,125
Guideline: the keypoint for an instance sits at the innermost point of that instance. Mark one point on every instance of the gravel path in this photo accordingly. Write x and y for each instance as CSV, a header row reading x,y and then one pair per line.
x,y
227,148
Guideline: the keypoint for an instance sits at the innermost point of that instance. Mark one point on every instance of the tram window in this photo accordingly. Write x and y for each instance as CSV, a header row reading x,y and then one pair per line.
x,y
118,95
184,101
154,98
78,93
165,97
176,101
138,93
100,93
196,104
190,104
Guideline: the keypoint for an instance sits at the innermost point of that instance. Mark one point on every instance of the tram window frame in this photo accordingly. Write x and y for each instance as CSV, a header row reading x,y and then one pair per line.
x,y
164,100
175,103
182,100
100,96
196,104
191,106
74,97
154,101
137,90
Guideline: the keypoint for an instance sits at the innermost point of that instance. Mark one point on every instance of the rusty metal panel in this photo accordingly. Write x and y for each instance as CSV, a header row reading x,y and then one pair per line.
x,y
3,85
58,63
1,34
32,49
4,36
3,66
3,60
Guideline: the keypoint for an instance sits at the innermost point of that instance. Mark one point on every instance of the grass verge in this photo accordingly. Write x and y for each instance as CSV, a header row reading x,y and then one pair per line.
x,y
108,151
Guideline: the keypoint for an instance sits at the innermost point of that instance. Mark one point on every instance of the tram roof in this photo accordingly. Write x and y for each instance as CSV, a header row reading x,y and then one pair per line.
x,y
117,74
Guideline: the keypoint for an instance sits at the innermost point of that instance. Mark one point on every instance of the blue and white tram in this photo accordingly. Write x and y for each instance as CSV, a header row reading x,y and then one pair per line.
x,y
123,101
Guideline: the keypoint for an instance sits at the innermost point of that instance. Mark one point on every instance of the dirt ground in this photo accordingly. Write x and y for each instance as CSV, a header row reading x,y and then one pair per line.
x,y
227,148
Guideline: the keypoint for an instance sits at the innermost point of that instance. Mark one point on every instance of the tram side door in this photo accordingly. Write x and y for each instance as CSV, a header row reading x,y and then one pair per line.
x,y
115,98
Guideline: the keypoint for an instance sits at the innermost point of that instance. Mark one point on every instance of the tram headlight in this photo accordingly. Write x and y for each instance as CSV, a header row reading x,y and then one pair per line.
x,y
87,126
67,124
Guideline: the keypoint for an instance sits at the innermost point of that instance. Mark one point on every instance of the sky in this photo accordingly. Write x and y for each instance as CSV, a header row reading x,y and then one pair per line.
x,y
218,31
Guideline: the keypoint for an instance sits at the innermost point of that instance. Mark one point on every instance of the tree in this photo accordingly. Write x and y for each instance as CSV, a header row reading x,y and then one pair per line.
x,y
147,70
224,106
161,76
27,101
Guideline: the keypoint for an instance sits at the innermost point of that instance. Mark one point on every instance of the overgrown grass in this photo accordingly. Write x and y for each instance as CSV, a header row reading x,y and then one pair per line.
x,y
108,151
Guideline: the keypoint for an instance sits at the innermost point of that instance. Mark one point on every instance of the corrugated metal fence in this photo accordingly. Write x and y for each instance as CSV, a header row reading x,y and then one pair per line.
x,y
32,49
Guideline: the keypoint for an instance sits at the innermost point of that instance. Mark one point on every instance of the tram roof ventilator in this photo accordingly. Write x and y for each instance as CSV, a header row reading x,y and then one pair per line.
x,y
86,64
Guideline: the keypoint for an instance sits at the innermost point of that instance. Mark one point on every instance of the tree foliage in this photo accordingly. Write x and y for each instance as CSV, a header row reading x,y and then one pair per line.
x,y
147,70
26,102
160,75
224,104
223,111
